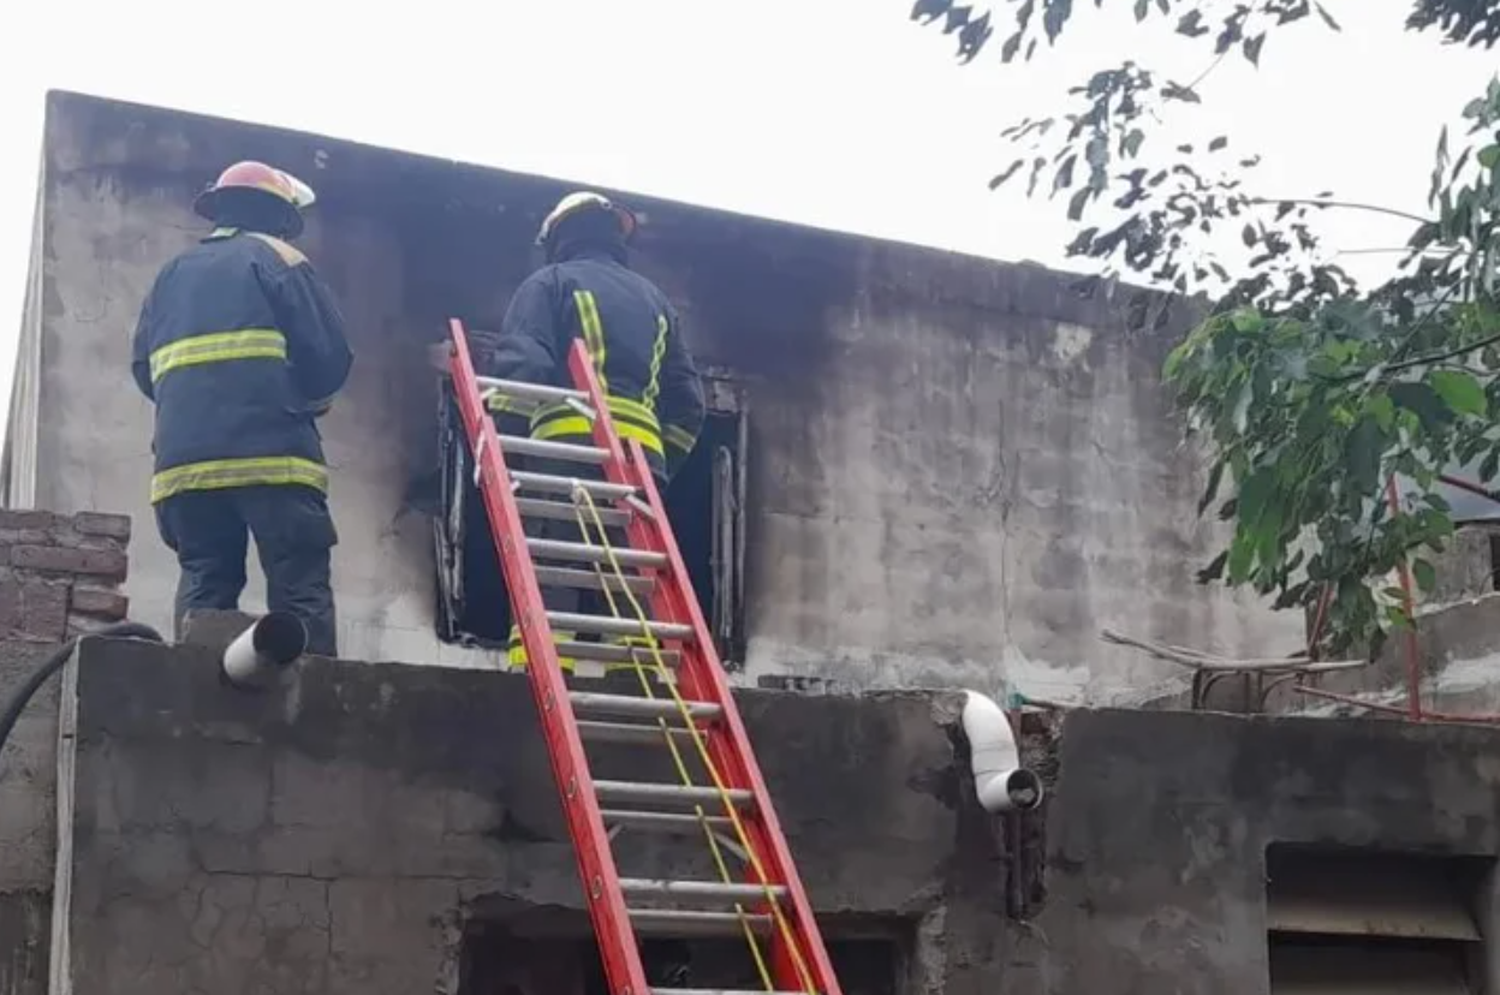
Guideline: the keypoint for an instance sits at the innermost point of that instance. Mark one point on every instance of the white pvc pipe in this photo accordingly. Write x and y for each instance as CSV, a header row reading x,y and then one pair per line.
x,y
264,650
1002,784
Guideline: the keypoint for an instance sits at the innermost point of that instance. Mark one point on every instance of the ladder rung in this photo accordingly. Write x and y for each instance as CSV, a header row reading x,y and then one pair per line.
x,y
691,922
551,483
580,552
662,822
552,450
610,626
614,653
569,577
530,391
624,732
561,511
668,794
715,891
630,705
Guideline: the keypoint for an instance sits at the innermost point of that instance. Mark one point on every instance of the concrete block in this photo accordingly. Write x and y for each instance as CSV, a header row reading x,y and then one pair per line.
x,y
26,519
96,523
213,628
33,609
110,563
100,603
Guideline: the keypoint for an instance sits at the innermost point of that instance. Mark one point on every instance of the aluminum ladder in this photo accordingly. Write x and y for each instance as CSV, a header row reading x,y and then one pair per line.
x,y
684,705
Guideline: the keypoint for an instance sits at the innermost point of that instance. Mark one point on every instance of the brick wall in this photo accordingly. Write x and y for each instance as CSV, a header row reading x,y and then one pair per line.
x,y
59,576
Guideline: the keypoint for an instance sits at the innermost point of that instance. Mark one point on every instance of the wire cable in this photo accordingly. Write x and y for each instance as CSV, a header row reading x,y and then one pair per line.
x,y
55,662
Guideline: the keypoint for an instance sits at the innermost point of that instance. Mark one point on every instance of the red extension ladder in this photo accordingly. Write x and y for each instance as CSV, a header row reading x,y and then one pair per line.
x,y
684,704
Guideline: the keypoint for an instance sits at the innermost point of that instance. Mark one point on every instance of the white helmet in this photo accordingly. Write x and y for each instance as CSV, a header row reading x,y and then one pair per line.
x,y
585,200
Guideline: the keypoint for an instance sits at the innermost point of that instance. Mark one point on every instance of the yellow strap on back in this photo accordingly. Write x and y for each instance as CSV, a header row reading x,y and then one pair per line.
x,y
289,253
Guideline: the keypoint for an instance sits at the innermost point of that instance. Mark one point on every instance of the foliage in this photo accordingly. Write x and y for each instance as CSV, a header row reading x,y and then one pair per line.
x,y
1311,394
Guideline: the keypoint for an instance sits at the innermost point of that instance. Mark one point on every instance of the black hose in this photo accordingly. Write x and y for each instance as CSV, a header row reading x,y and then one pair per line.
x,y
54,663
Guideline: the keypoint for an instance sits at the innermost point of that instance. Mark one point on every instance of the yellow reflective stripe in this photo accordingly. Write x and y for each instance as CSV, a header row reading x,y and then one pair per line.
x,y
679,438
624,407
218,347
500,403
593,331
620,407
658,350
516,649
579,426
255,471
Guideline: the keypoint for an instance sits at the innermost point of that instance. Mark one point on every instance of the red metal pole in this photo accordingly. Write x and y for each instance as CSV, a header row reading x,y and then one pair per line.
x,y
1324,600
1413,647
1470,486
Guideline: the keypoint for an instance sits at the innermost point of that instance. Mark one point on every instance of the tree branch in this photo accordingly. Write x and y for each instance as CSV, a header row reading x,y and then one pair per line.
x,y
1431,358
1348,205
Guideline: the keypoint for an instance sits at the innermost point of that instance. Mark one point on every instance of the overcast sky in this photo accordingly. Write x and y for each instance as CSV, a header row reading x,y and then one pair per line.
x,y
836,113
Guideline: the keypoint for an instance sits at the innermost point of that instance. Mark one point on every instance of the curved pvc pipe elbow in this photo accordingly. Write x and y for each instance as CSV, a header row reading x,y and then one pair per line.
x,y
264,650
1000,781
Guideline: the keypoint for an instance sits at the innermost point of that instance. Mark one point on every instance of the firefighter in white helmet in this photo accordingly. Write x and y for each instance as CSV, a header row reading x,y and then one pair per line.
x,y
588,291
240,346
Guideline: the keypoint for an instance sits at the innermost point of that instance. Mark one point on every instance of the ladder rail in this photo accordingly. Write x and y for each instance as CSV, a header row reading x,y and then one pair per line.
x,y
598,875
702,678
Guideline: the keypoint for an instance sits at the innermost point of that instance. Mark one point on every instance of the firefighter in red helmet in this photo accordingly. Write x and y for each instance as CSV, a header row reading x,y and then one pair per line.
x,y
588,291
241,348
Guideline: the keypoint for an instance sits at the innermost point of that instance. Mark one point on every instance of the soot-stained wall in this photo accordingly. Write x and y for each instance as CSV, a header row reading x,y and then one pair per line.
x,y
959,470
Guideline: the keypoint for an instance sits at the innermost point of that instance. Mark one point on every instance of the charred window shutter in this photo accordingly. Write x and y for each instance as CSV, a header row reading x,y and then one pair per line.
x,y
1356,922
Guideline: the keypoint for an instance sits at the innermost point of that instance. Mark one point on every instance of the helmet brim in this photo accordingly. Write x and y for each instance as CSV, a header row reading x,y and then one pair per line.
x,y
624,217
209,204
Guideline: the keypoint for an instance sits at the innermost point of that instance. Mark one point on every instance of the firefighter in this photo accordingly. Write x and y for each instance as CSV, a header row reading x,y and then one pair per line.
x,y
241,348
654,394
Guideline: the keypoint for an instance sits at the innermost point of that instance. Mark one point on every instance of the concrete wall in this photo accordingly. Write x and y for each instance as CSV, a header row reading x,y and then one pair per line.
x,y
57,579
1158,831
343,836
960,470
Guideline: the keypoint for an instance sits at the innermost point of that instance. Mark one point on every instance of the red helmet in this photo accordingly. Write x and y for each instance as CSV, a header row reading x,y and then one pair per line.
x,y
258,180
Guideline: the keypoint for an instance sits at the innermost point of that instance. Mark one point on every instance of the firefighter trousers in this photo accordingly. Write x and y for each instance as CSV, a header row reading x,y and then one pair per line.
x,y
569,599
294,538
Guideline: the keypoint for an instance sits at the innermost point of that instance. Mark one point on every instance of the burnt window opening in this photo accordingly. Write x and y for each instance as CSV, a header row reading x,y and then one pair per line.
x,y
705,504
1349,920
506,959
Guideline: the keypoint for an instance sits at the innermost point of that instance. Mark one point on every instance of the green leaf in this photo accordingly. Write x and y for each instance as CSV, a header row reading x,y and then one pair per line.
x,y
1327,17
1064,177
1241,556
1424,402
1459,390
1252,48
1247,320
1009,171
1362,453
1489,156
1055,16
1215,569
1142,7
1077,202
1215,476
1252,498
1489,467
1131,144
1383,410
1218,143
1425,575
